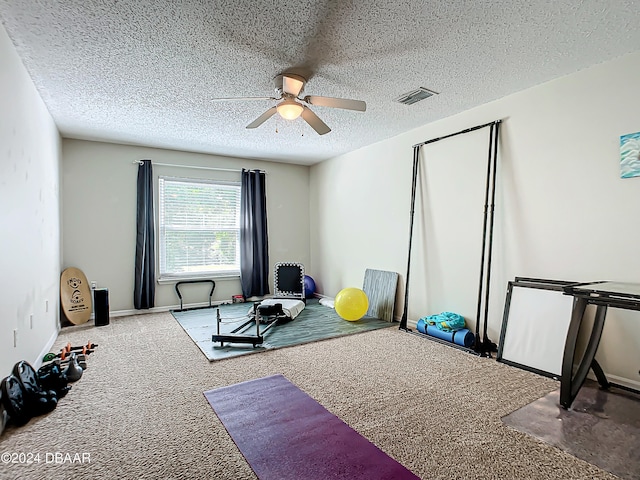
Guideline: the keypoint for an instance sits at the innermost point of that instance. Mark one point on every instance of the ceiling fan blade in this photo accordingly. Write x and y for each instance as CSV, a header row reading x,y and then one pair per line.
x,y
345,103
263,118
242,98
292,85
314,121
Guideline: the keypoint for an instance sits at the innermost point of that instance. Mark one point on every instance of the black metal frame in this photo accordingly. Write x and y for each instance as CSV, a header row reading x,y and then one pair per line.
x,y
237,335
285,286
483,345
213,287
570,383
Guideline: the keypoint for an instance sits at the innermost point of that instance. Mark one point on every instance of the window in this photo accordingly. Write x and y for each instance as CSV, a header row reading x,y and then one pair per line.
x,y
199,228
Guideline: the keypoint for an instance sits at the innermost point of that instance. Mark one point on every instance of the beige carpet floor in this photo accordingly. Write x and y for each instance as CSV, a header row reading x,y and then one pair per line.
x,y
139,411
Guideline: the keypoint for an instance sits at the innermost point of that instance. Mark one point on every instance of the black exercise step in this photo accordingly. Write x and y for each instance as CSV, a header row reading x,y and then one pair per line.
x,y
253,339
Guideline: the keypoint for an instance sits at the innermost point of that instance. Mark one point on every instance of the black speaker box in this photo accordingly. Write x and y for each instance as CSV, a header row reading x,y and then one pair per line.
x,y
101,306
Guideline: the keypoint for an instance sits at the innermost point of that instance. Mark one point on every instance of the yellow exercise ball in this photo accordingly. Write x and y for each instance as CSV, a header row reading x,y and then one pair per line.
x,y
351,304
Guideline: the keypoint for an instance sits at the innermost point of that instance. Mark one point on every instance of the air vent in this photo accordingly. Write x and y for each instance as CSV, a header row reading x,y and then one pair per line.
x,y
415,96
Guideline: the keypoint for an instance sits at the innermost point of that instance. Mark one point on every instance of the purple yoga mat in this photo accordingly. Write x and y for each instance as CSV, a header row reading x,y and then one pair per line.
x,y
285,434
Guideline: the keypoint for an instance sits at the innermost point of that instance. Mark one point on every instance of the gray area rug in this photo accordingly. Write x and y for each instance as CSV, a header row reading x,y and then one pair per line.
x,y
316,322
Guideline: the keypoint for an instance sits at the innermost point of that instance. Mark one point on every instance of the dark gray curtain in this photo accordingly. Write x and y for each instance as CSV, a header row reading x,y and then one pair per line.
x,y
144,288
254,245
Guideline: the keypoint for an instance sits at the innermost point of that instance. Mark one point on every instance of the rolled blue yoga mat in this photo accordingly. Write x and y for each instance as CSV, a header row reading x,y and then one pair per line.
x,y
434,332
462,337
422,325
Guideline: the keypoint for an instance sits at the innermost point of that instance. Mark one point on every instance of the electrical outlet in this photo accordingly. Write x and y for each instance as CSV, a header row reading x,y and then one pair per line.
x,y
94,284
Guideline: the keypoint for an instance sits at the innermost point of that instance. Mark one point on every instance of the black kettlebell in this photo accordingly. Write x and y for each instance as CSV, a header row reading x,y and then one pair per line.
x,y
74,371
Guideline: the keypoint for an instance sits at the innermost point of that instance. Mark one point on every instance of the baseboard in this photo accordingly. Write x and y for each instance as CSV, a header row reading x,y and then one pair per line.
x,y
126,313
623,381
396,318
47,348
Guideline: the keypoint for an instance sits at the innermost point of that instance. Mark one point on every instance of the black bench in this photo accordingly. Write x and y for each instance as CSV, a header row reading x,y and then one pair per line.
x,y
182,282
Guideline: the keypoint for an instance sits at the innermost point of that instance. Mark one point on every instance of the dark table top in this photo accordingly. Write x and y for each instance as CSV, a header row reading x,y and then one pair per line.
x,y
619,294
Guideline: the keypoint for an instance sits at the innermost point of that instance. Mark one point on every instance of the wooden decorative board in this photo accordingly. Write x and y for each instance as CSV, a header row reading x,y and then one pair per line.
x,y
75,295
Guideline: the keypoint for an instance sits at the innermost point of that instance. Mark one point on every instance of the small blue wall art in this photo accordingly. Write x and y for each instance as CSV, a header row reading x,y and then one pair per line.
x,y
630,155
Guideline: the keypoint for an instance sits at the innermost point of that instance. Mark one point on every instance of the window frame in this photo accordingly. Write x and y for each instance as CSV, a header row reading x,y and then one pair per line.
x,y
161,230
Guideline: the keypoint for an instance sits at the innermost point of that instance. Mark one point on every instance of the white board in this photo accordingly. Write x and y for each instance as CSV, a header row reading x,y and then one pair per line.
x,y
535,328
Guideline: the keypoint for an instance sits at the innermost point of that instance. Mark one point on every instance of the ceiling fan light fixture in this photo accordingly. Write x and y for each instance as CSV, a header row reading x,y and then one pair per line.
x,y
289,109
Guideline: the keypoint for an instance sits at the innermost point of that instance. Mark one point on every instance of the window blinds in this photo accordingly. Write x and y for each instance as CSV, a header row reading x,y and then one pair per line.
x,y
199,227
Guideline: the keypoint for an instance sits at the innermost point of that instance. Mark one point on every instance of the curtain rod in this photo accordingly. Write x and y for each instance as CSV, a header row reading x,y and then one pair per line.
x,y
139,162
457,133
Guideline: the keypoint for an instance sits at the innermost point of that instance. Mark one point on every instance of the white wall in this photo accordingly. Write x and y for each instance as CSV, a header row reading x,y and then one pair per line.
x,y
99,222
562,210
29,215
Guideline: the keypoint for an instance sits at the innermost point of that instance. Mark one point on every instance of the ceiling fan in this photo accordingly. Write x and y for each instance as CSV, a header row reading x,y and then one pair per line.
x,y
289,87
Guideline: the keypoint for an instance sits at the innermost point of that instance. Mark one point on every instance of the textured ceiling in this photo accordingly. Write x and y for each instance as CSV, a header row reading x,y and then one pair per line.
x,y
144,72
